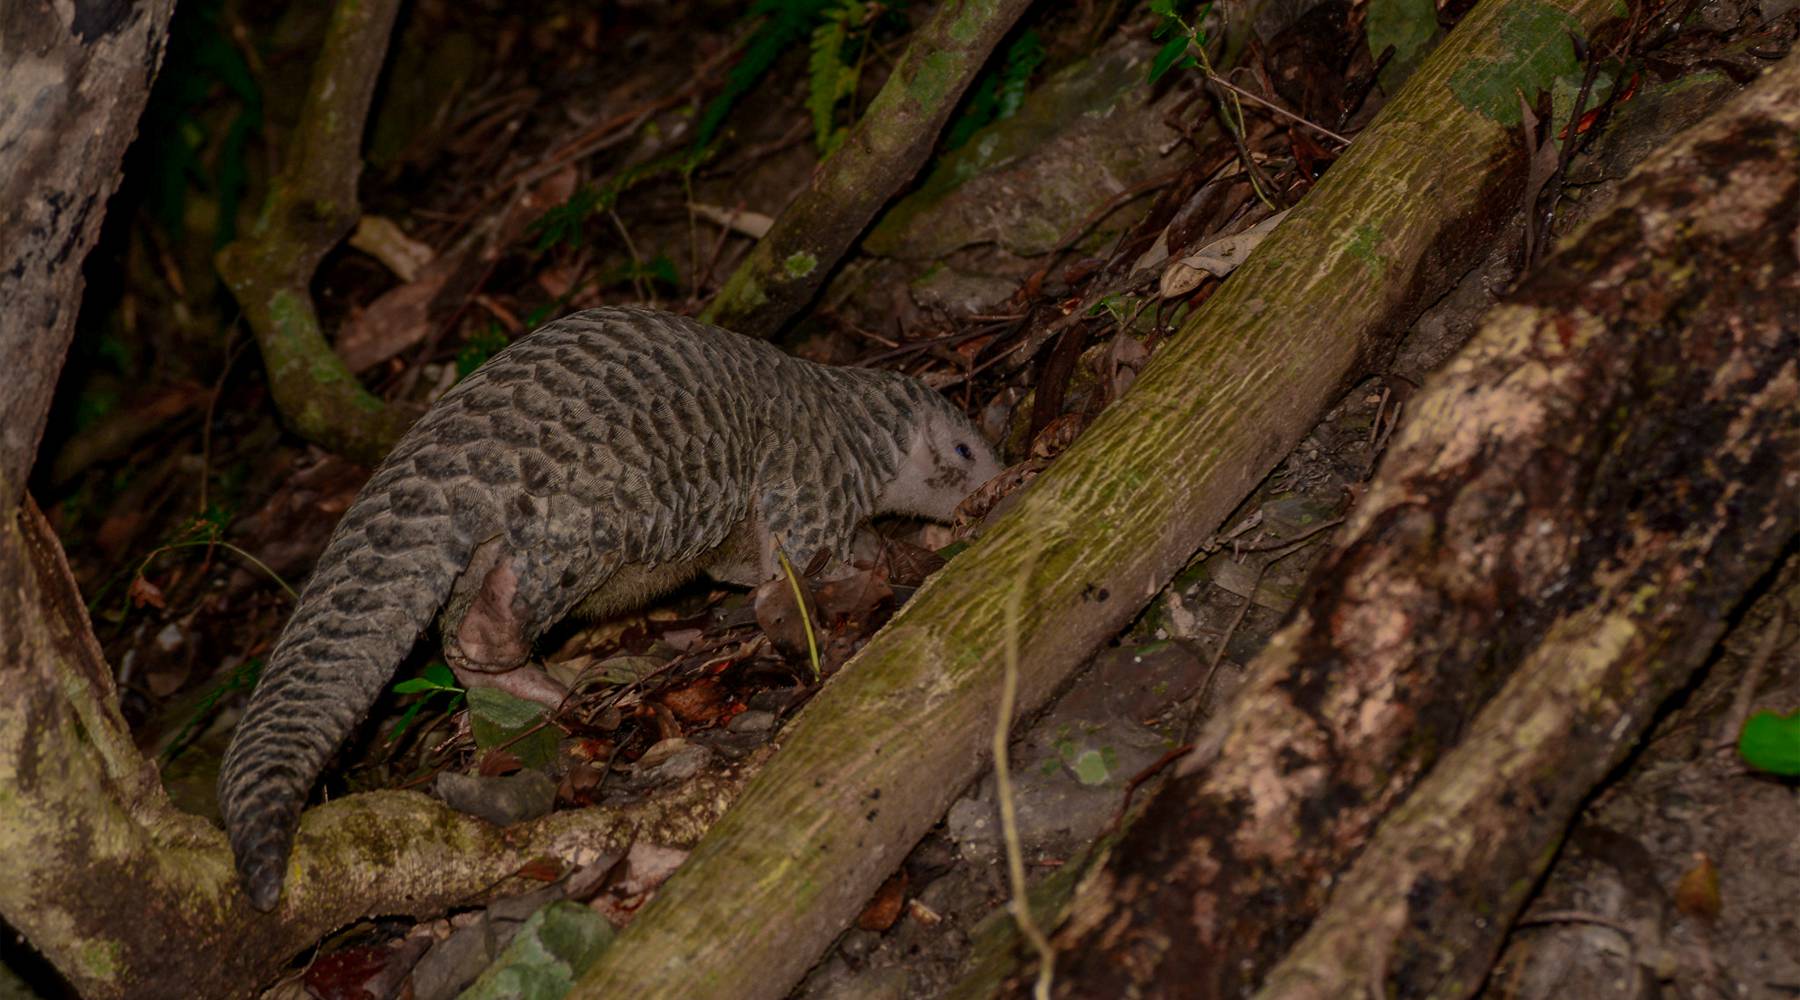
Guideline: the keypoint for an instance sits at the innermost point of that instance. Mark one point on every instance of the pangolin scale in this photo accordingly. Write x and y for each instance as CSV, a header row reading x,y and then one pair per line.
x,y
598,461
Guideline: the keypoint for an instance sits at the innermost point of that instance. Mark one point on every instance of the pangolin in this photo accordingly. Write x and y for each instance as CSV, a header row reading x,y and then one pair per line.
x,y
596,462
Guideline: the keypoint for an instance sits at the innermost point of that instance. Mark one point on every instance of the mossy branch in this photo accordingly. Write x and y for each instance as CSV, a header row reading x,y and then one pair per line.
x,y
312,204
883,151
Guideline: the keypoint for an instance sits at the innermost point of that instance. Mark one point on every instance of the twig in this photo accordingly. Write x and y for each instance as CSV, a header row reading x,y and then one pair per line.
x,y
1283,112
1020,905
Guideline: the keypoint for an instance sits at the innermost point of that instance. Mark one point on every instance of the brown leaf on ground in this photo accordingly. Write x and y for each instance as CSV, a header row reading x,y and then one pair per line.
x,y
397,320
856,596
699,703
497,762
908,565
779,617
1697,894
886,906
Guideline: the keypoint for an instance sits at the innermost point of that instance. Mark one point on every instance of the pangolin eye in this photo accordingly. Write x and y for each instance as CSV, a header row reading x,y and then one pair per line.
x,y
963,452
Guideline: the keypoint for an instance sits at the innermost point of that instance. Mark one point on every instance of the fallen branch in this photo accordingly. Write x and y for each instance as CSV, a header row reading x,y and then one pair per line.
x,y
1676,315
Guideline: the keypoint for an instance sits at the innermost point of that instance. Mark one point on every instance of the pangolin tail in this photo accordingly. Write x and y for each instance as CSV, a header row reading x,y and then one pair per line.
x,y
377,587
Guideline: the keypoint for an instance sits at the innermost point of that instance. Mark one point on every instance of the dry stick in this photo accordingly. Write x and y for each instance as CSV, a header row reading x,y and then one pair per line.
x,y
1020,905
1277,109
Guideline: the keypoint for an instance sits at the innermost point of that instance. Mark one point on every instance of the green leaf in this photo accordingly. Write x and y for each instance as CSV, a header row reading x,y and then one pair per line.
x,y
1771,743
405,722
787,21
832,78
1172,50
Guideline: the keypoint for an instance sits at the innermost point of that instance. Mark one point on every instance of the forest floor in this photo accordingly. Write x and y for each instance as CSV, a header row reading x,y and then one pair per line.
x,y
526,164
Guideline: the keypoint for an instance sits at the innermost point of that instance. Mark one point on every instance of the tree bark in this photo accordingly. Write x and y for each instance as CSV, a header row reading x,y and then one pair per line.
x,y
1580,497
73,79
1676,315
884,150
876,759
312,204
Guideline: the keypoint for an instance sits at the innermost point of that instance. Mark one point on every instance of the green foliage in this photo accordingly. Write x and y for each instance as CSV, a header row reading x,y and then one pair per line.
x,y
833,76
1183,38
785,22
434,681
480,346
564,225
999,92
201,61
1536,47
1771,742
501,721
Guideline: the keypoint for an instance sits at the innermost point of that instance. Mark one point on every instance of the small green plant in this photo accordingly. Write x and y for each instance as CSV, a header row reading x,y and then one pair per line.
x,y
1185,42
784,23
834,74
999,92
657,269
565,224
434,681
1771,742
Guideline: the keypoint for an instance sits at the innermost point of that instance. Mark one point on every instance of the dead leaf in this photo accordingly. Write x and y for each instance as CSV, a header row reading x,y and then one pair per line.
x,y
908,565
143,592
854,596
779,616
699,703
1058,434
752,224
885,908
1218,258
541,870
497,762
1697,894
397,320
